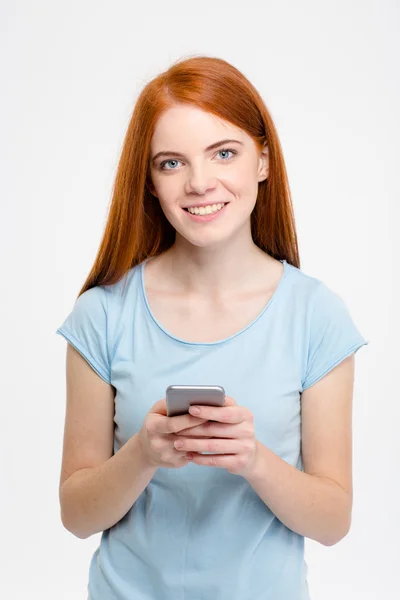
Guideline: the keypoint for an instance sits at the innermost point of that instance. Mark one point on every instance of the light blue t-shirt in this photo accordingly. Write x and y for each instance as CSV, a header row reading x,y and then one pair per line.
x,y
200,532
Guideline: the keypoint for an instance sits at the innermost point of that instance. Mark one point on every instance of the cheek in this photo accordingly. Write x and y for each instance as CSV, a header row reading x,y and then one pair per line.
x,y
168,191
240,176
240,184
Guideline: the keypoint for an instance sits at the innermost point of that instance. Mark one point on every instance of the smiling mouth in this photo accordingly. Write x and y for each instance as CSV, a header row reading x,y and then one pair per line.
x,y
202,210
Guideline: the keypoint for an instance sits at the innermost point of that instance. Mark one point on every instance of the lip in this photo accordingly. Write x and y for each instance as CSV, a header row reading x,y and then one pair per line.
x,y
206,218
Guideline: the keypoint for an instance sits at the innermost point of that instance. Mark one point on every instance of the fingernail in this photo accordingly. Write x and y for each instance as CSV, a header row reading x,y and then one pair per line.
x,y
178,444
194,410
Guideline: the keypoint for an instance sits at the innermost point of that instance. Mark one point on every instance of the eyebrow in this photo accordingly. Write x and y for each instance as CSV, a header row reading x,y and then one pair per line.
x,y
215,145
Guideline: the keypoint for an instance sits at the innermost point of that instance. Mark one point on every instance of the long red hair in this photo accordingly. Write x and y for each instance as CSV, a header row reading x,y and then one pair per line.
x,y
136,227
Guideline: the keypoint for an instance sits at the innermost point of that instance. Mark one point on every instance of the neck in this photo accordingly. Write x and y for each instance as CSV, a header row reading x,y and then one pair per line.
x,y
217,271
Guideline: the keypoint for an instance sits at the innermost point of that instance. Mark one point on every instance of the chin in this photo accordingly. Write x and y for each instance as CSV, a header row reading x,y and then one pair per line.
x,y
204,241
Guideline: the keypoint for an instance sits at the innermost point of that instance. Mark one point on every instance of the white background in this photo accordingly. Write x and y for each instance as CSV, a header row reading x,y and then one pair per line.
x,y
70,74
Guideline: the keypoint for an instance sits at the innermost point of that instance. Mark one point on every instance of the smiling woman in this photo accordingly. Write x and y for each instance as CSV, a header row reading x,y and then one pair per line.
x,y
198,281
205,178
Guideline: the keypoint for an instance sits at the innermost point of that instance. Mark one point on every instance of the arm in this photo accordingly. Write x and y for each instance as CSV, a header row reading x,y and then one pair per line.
x,y
317,503
96,498
97,488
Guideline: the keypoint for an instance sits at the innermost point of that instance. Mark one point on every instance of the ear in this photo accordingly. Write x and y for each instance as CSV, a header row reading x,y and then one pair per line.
x,y
263,168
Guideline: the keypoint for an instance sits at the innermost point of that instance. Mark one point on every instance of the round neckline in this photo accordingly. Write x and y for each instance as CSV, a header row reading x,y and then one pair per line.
x,y
217,342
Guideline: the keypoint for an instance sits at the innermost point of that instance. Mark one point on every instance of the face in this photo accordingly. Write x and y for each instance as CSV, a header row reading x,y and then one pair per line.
x,y
197,169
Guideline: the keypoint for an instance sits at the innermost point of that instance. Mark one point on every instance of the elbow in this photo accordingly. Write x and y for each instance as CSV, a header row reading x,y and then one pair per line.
x,y
333,541
69,520
79,535
69,514
83,535
341,522
337,535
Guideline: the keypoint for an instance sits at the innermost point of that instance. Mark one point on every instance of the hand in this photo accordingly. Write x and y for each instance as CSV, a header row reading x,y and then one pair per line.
x,y
157,436
231,429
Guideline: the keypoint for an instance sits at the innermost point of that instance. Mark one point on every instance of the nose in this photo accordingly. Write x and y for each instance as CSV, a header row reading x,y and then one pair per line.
x,y
200,181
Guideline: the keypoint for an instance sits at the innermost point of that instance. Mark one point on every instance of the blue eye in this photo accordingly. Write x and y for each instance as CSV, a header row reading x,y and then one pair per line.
x,y
174,160
165,162
227,150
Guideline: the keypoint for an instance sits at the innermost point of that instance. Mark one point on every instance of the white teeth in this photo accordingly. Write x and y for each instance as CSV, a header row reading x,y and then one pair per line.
x,y
206,210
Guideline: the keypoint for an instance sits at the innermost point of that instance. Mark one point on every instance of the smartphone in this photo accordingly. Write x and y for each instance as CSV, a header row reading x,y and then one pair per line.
x,y
180,397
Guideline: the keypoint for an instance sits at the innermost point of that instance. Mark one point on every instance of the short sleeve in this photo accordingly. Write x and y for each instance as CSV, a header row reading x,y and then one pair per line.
x,y
85,328
333,335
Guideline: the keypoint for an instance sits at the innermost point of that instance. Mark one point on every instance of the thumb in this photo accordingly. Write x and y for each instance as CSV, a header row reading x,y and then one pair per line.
x,y
230,401
160,407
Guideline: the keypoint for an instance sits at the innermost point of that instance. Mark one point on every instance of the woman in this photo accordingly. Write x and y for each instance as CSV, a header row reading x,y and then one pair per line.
x,y
214,295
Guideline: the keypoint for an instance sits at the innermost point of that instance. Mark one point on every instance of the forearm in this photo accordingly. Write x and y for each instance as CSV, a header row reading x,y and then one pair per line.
x,y
95,499
312,506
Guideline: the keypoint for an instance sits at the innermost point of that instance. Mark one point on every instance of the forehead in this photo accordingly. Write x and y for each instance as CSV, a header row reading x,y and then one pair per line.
x,y
190,126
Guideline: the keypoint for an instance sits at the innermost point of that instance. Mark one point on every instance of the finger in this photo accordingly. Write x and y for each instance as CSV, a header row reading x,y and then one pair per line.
x,y
223,414
159,407
229,401
164,424
227,446
200,437
215,429
231,462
